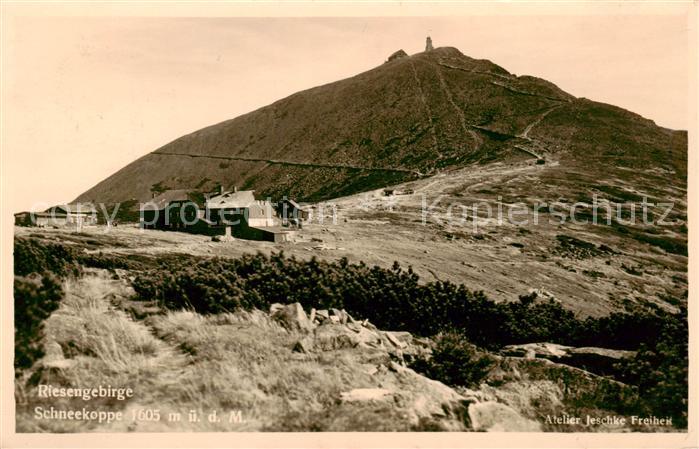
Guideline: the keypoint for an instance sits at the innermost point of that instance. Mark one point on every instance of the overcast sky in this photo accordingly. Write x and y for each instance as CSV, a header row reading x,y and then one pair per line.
x,y
82,97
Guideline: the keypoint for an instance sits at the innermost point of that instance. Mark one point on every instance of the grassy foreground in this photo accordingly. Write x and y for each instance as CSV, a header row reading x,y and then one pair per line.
x,y
195,347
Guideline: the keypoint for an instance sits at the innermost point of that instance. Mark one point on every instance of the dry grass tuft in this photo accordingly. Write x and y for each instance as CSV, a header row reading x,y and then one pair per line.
x,y
237,364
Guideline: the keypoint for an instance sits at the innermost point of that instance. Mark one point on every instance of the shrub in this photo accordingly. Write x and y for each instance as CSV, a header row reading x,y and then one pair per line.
x,y
39,268
35,296
660,370
455,361
391,298
33,256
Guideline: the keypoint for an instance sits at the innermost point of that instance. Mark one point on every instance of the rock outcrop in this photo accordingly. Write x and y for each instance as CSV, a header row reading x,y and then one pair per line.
x,y
493,416
330,330
596,360
524,382
291,316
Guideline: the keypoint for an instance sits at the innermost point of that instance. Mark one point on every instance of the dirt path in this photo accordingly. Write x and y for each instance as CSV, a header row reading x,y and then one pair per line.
x,y
480,72
291,163
428,110
525,133
459,112
524,92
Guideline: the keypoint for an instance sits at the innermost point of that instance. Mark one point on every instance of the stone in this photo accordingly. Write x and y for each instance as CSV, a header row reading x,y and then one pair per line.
x,y
393,366
292,317
365,394
331,338
305,345
222,238
274,307
312,315
354,327
492,416
596,360
322,315
62,364
371,370
394,340
53,351
340,314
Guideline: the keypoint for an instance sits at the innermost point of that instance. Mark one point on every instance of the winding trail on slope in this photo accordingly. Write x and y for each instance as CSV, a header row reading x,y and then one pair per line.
x,y
291,163
428,110
449,66
524,92
525,133
459,111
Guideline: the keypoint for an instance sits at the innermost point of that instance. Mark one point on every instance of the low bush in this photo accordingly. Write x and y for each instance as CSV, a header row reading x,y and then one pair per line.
x,y
391,298
660,370
35,296
34,256
39,268
455,361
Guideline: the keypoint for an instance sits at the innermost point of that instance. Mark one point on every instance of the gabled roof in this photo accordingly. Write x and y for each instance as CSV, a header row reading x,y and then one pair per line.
x,y
161,201
78,208
231,200
293,203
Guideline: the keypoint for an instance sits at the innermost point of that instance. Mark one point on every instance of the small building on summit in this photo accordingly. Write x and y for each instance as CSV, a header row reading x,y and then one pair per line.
x,y
428,44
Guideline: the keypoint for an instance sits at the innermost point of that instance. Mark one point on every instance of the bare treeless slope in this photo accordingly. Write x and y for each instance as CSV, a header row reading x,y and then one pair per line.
x,y
404,119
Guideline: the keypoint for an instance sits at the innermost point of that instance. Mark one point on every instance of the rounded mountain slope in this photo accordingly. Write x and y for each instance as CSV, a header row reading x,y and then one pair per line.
x,y
411,117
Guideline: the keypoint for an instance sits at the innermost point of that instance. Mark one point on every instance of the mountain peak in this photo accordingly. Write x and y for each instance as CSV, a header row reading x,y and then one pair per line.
x,y
412,116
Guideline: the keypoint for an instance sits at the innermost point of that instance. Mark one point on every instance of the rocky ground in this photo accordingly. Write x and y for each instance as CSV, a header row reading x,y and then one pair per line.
x,y
286,370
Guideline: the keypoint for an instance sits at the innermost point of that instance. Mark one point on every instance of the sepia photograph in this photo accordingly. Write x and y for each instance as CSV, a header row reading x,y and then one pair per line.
x,y
424,221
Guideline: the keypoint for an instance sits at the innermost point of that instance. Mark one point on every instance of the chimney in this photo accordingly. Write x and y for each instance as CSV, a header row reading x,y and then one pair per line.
x,y
428,44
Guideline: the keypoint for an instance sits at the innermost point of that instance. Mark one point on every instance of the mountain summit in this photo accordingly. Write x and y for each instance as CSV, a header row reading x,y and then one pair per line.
x,y
410,117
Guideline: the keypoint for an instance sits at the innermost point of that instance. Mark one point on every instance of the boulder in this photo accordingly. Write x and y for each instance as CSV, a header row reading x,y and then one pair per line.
x,y
291,316
394,340
535,350
330,337
595,360
54,358
275,307
322,315
492,416
305,345
340,314
354,327
365,394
